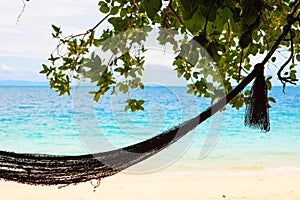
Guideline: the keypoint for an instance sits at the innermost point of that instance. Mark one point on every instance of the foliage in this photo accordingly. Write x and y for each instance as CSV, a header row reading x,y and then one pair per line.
x,y
231,31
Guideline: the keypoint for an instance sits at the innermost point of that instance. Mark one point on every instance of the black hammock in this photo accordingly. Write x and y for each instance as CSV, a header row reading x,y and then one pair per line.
x,y
42,169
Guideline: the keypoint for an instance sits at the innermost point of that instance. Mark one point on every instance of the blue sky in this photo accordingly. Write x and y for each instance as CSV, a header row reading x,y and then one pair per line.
x,y
26,45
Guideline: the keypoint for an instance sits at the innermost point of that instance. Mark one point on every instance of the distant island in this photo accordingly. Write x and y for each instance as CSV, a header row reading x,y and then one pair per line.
x,y
22,83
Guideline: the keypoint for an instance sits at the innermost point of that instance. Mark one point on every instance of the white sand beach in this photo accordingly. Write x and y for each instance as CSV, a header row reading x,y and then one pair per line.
x,y
211,184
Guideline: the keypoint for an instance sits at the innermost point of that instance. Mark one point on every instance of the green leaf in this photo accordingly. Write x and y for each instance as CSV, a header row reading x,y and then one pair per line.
x,y
55,28
206,95
195,23
195,75
245,40
133,108
115,10
141,85
45,69
268,83
104,9
298,57
97,96
152,7
140,102
123,12
247,92
271,99
125,88
127,108
212,50
120,70
118,23
187,76
97,42
102,3
223,16
238,104
250,16
293,74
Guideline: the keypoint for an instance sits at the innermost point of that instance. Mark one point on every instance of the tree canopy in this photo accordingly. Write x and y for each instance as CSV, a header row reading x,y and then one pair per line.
x,y
231,31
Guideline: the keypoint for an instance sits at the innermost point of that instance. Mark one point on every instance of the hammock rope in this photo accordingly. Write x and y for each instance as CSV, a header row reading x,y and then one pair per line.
x,y
43,169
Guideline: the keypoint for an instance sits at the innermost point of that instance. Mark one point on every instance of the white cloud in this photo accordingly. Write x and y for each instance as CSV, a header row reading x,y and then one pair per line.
x,y
7,69
18,73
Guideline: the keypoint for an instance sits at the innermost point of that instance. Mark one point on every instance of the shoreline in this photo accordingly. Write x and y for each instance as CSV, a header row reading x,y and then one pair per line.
x,y
197,184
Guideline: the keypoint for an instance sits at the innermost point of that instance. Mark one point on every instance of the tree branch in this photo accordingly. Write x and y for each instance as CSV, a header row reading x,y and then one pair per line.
x,y
168,9
175,13
62,41
206,22
90,30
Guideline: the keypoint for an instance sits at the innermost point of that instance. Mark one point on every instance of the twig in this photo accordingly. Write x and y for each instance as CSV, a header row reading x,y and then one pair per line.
x,y
206,22
168,9
62,41
88,31
229,32
166,14
295,6
96,185
135,4
280,52
285,80
175,13
21,13
267,43
63,186
240,67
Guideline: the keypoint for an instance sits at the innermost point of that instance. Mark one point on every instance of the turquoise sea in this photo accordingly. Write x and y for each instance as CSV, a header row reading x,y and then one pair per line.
x,y
37,120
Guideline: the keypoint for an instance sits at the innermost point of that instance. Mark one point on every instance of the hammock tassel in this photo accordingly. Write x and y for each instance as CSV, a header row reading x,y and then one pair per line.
x,y
257,111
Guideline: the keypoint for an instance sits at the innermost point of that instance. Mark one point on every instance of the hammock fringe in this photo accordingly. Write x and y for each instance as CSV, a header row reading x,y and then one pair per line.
x,y
257,111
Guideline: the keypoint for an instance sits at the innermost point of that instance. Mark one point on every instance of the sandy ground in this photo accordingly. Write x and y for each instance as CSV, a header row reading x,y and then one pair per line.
x,y
226,184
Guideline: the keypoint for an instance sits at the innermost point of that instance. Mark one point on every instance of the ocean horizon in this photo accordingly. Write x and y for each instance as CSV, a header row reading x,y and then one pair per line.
x,y
34,119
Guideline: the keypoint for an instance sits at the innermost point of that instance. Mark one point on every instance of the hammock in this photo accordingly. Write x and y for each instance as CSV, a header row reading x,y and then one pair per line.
x,y
43,169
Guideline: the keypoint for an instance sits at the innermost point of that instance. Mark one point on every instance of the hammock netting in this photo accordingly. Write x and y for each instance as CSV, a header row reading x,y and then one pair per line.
x,y
42,169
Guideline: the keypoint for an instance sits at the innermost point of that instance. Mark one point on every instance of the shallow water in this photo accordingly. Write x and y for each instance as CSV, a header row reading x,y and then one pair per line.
x,y
35,119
